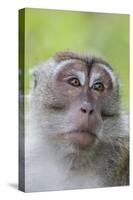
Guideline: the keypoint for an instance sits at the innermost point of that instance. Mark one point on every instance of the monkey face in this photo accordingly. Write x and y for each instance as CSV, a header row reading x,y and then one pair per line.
x,y
78,96
76,100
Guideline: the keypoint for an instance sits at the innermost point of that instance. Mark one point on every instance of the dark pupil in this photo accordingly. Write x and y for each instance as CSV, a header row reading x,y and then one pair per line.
x,y
75,82
98,86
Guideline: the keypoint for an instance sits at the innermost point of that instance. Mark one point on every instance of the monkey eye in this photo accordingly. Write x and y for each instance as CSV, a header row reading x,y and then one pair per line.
x,y
74,81
98,86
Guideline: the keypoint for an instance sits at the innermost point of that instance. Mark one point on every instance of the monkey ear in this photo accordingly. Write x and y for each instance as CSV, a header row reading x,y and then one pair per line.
x,y
34,74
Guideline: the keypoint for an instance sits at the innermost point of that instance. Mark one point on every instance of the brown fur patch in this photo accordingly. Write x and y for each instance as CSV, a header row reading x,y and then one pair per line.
x,y
88,59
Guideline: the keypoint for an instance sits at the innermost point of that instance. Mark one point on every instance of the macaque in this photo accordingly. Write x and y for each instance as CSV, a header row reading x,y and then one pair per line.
x,y
78,133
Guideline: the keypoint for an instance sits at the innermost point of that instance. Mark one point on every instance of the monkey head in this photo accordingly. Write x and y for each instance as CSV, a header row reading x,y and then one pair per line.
x,y
72,97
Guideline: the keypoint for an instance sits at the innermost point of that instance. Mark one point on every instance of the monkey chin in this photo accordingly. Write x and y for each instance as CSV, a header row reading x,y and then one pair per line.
x,y
81,138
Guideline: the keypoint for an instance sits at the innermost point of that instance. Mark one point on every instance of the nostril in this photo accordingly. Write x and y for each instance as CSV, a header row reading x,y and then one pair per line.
x,y
83,110
91,111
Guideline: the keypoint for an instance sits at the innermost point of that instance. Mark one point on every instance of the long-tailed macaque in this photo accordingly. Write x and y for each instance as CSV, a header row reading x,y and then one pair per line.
x,y
78,133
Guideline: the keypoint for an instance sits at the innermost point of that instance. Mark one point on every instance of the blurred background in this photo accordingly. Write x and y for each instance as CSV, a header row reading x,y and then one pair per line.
x,y
105,35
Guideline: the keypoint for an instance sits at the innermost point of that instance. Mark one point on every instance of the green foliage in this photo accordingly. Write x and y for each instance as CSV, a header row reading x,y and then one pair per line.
x,y
106,35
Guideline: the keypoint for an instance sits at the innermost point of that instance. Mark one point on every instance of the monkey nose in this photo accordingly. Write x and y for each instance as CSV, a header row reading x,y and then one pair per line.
x,y
86,110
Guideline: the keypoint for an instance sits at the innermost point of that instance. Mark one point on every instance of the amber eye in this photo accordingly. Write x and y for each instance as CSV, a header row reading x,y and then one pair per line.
x,y
75,82
98,86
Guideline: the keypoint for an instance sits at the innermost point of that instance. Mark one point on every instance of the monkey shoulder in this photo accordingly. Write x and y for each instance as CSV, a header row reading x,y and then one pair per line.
x,y
116,161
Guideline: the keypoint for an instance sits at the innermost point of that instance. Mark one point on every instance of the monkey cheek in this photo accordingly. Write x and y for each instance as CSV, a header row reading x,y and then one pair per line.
x,y
81,139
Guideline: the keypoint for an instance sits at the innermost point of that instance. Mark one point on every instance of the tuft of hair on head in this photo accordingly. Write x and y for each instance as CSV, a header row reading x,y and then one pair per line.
x,y
89,60
70,55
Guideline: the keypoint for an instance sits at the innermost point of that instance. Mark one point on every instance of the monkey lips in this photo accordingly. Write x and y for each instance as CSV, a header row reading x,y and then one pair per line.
x,y
81,137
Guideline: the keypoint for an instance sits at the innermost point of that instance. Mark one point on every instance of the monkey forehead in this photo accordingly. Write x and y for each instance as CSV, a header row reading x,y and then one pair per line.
x,y
96,73
66,63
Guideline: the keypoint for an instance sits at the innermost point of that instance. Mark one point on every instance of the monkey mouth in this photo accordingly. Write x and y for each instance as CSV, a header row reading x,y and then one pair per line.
x,y
81,137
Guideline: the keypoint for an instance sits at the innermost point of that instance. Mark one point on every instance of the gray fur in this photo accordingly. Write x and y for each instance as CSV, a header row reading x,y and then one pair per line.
x,y
56,165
